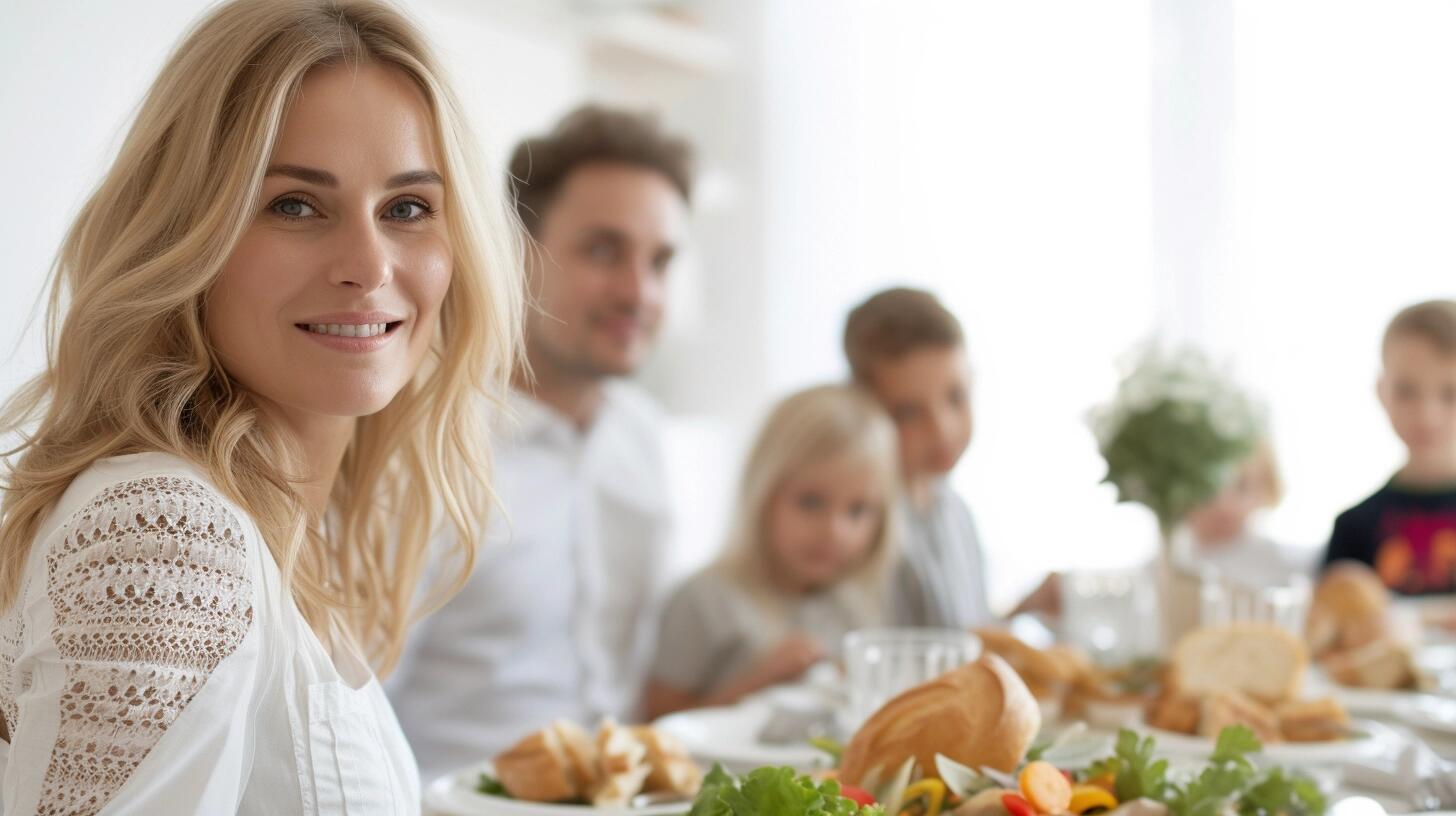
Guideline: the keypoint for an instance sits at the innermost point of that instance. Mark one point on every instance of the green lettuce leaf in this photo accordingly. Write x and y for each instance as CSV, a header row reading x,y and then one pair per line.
x,y
773,792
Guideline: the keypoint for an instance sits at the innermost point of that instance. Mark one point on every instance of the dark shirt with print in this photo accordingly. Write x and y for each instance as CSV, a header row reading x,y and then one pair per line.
x,y
1408,536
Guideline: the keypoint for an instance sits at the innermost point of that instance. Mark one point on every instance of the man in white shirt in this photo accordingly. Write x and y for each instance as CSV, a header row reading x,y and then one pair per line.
x,y
556,619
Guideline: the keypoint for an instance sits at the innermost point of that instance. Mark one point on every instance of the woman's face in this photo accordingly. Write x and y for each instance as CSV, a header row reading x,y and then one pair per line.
x,y
330,299
823,521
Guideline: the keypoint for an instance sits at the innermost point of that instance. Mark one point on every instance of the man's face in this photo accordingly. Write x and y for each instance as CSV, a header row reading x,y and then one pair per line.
x,y
606,242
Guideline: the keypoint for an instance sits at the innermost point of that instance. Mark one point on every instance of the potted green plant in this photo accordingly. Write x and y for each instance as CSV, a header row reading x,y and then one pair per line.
x,y
1172,436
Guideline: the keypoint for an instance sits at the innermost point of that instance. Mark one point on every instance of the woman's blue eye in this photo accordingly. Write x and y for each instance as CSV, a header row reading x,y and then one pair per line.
x,y
293,208
407,210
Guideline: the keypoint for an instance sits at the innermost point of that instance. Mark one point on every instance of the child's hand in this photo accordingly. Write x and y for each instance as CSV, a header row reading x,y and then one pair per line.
x,y
1046,598
788,659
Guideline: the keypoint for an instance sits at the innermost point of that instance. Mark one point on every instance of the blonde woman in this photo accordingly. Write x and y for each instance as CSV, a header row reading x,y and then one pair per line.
x,y
806,561
269,327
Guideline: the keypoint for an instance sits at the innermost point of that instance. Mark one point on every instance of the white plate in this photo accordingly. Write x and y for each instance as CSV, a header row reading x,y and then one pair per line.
x,y
454,795
1361,701
1372,702
730,736
1430,712
1379,741
1438,661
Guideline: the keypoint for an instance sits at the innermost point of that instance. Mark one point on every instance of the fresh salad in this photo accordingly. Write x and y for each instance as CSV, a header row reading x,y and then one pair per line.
x,y
1132,780
779,792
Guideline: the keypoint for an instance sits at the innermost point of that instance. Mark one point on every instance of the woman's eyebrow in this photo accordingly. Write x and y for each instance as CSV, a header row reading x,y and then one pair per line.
x,y
323,178
415,177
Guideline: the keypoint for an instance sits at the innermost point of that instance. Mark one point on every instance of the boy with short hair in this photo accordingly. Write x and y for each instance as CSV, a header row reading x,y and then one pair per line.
x,y
909,351
1407,529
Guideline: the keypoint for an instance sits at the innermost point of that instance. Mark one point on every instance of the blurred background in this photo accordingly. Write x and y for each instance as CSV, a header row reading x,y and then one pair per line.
x,y
1269,179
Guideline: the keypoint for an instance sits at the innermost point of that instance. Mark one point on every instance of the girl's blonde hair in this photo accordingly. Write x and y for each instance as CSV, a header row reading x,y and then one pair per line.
x,y
130,368
811,426
1268,468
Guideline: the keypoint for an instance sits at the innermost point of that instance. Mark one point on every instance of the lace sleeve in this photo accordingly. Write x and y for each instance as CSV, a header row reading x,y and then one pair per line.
x,y
151,590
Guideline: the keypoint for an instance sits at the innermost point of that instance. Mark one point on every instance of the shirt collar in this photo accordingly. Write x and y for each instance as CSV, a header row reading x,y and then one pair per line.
x,y
538,422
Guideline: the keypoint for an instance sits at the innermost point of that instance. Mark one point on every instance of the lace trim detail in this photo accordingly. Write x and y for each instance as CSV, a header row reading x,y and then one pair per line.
x,y
151,590
12,634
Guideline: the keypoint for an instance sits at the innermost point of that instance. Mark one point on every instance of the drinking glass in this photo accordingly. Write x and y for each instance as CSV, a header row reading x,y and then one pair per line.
x,y
881,663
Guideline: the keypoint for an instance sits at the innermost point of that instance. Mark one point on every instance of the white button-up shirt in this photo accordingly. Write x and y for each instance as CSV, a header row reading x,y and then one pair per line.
x,y
558,617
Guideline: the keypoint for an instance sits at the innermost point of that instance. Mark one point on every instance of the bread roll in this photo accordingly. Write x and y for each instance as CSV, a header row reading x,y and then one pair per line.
x,y
671,767
1232,708
1313,720
1258,660
537,769
1048,670
1348,608
618,789
618,750
1380,664
581,755
979,714
1174,712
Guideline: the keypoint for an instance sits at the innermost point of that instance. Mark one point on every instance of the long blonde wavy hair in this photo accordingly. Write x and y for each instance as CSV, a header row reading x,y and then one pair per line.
x,y
130,368
815,425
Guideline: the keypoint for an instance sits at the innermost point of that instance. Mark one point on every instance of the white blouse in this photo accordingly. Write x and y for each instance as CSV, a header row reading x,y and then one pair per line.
x,y
153,664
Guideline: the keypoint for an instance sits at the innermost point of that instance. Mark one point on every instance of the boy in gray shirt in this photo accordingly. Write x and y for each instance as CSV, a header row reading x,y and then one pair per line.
x,y
909,351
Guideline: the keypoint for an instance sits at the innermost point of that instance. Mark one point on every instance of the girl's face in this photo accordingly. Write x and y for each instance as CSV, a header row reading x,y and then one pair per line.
x,y
329,302
823,521
1223,518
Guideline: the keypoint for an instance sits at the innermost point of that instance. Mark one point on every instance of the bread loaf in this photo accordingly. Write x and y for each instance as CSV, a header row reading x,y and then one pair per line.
x,y
979,714
1258,660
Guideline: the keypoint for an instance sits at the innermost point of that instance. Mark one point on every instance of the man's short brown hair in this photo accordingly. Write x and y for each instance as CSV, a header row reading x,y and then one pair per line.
x,y
588,135
894,323
1433,321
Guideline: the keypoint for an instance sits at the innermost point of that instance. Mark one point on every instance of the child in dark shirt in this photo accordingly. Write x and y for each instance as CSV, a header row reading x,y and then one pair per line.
x,y
1407,530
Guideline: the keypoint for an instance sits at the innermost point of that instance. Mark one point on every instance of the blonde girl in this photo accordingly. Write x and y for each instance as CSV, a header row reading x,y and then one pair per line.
x,y
806,560
270,329
1221,536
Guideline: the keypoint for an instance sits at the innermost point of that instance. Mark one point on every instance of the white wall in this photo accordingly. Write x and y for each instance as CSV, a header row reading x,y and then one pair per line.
x,y
70,82
1343,147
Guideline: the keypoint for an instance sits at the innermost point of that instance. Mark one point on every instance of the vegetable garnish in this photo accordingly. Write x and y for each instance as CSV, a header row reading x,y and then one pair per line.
x,y
490,786
1135,773
774,792
1229,780
933,790
1230,783
832,748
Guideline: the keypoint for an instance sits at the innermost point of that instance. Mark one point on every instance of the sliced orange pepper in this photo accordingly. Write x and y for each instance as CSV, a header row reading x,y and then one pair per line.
x,y
1045,787
1088,797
